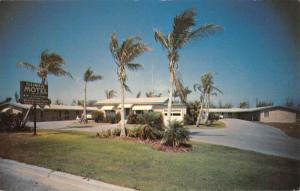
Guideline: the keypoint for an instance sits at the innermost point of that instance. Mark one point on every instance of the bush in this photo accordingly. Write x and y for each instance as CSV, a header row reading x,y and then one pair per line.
x,y
176,135
116,132
98,116
104,133
110,119
154,119
132,118
134,132
150,132
11,122
117,118
213,117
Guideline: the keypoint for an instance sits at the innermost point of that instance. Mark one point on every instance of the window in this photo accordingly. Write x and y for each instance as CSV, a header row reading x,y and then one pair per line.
x,y
173,114
266,113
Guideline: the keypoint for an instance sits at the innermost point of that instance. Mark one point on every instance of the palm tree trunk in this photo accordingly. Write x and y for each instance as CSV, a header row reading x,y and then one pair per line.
x,y
170,98
84,102
207,110
123,133
200,112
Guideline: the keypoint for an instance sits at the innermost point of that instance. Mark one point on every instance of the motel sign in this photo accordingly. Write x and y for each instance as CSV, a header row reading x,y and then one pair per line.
x,y
31,92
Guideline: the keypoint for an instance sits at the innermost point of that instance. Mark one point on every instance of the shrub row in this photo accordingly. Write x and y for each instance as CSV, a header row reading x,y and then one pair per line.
x,y
175,135
11,122
154,119
99,117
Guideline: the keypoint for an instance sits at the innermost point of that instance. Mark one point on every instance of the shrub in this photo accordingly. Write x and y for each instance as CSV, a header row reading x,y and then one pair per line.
x,y
149,132
134,132
132,118
98,116
175,135
117,118
110,119
140,119
11,122
154,119
104,133
213,117
116,132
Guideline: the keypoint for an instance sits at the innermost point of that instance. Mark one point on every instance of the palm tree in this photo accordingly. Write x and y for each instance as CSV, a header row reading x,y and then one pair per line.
x,y
88,77
198,87
50,63
110,94
138,95
183,97
7,100
207,89
182,33
152,94
124,55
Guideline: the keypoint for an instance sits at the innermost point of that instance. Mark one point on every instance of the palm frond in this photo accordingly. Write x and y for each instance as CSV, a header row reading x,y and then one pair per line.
x,y
159,36
181,27
95,77
134,66
134,51
127,88
204,31
27,65
217,89
138,94
113,45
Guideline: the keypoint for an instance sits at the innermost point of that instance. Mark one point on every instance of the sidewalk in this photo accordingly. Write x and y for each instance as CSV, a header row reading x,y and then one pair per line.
x,y
20,176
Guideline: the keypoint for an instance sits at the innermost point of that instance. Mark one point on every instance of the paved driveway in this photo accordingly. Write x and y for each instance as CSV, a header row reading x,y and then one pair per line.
x,y
250,136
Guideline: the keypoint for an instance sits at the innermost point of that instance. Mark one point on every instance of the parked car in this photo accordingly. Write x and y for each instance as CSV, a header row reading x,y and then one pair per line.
x,y
89,116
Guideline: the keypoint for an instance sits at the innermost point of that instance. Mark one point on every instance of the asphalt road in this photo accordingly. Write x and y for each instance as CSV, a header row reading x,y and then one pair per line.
x,y
250,136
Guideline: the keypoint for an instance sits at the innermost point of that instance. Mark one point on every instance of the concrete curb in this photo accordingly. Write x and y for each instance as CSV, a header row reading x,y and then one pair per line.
x,y
56,180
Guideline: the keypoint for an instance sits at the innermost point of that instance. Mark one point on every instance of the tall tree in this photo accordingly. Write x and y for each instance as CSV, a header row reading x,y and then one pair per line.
x,y
124,55
244,104
207,89
186,92
181,34
50,63
110,94
88,77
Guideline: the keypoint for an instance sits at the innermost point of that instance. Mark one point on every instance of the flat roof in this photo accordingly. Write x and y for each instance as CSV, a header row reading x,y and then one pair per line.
x,y
242,110
51,107
134,100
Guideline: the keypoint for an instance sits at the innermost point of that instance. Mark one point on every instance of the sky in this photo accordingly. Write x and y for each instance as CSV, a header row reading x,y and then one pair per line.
x,y
257,55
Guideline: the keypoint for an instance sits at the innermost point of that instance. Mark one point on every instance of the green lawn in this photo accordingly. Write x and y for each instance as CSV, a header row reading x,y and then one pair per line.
x,y
137,165
215,124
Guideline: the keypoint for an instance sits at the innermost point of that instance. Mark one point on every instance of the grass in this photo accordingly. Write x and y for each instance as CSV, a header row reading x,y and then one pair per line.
x,y
215,124
137,165
290,129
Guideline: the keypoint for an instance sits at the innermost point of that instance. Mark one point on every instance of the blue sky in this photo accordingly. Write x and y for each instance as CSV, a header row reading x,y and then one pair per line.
x,y
256,56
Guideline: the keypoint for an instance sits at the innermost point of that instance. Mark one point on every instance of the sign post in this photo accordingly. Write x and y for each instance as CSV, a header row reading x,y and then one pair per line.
x,y
34,118
34,94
